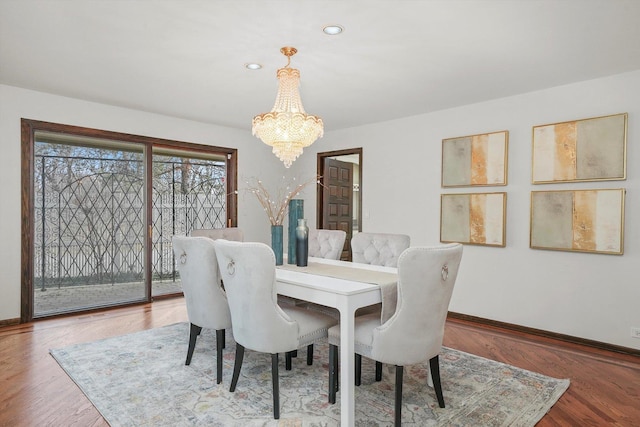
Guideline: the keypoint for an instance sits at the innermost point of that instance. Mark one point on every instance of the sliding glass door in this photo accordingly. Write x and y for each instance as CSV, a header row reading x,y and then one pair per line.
x,y
100,210
189,192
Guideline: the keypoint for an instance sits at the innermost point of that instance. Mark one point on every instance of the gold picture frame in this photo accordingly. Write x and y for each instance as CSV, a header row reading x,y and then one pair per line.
x,y
578,220
593,149
474,218
475,160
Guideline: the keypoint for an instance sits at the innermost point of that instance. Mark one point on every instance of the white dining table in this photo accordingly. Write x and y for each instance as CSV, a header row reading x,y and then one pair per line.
x,y
346,296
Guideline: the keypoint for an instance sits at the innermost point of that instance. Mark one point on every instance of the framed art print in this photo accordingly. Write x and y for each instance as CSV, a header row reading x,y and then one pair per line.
x,y
473,218
475,160
578,220
581,150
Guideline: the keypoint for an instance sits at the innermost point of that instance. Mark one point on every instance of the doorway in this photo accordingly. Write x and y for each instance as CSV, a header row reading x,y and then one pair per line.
x,y
339,205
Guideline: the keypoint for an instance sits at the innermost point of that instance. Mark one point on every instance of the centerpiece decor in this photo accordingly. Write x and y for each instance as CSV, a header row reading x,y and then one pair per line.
x,y
302,243
296,211
276,207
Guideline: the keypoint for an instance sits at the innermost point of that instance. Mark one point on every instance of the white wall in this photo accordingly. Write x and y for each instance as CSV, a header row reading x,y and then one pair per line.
x,y
254,159
590,296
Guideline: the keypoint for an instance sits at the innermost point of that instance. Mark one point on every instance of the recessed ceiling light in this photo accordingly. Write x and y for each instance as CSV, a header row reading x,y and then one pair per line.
x,y
333,30
253,66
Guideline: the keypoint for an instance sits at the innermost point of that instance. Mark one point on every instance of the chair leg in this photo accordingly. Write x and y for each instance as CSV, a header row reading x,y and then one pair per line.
x,y
310,354
219,347
287,358
333,372
398,409
194,331
224,338
237,365
434,365
358,369
378,371
276,386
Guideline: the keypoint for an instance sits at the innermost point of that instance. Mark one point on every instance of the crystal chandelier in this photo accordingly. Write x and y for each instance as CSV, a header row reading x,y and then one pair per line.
x,y
287,127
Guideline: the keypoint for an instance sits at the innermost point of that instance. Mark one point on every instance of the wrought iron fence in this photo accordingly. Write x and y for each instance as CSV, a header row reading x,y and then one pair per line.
x,y
90,229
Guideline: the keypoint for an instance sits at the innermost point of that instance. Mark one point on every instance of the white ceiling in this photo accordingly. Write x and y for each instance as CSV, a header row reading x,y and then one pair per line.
x,y
186,58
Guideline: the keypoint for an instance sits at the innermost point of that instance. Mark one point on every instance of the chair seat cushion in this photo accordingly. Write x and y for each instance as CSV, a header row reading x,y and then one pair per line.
x,y
312,325
363,338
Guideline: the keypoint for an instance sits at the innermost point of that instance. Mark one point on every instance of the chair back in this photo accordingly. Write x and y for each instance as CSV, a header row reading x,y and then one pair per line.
x,y
206,301
378,248
326,243
426,276
248,272
230,233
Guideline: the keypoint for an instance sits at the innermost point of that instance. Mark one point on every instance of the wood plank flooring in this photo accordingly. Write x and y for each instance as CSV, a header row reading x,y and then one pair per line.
x,y
35,391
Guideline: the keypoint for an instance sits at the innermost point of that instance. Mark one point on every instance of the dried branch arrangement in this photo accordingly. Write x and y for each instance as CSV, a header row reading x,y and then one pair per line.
x,y
276,207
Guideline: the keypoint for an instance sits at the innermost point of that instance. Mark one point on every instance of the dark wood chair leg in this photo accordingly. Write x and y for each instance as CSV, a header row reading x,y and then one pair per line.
x,y
333,372
276,386
194,331
287,358
434,365
310,354
398,417
358,369
237,365
219,347
224,338
378,371
294,353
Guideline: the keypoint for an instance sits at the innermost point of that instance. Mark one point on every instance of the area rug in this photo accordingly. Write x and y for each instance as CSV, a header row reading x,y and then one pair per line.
x,y
140,379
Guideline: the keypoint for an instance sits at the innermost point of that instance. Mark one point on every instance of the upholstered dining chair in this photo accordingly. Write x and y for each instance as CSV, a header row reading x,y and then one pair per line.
x,y
229,233
259,323
426,277
326,244
206,301
378,248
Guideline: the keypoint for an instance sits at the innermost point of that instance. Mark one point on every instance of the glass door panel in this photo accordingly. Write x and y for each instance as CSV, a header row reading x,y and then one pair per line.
x,y
189,192
89,223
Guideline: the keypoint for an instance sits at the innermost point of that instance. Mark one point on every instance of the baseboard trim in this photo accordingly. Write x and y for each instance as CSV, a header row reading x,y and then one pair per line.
x,y
545,334
10,322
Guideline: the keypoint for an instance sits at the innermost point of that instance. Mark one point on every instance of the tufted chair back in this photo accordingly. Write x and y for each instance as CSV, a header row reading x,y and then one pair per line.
x,y
231,233
378,248
326,243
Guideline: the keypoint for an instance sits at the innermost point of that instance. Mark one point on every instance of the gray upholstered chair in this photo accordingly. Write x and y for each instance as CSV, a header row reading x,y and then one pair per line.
x,y
378,248
326,243
206,301
426,276
259,323
230,233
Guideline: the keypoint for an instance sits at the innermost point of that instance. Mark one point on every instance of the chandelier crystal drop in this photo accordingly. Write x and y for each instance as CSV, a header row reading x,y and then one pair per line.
x,y
287,127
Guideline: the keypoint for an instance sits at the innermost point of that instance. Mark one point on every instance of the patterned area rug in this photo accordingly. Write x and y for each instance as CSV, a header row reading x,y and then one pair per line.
x,y
141,380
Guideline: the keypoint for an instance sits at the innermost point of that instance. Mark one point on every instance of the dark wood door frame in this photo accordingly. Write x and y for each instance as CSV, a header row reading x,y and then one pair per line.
x,y
28,130
320,190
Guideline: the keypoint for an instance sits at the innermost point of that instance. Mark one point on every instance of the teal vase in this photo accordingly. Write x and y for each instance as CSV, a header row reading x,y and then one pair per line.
x,y
296,212
276,242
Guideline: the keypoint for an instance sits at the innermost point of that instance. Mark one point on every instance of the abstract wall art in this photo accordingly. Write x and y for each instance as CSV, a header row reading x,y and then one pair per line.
x,y
581,150
475,160
578,220
473,218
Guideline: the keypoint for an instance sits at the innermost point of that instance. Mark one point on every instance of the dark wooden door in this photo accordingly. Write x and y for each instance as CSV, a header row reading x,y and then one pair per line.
x,y
337,207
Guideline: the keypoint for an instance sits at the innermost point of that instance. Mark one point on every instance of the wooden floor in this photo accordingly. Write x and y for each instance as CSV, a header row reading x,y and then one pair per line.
x,y
35,391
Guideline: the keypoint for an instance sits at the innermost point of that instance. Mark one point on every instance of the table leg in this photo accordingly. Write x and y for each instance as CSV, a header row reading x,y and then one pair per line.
x,y
347,367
